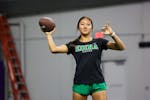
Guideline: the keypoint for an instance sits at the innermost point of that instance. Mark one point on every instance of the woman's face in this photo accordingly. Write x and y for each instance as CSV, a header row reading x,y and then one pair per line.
x,y
85,26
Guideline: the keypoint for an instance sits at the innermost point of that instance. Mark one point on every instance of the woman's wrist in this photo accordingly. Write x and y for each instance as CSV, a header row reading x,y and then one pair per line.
x,y
112,34
48,35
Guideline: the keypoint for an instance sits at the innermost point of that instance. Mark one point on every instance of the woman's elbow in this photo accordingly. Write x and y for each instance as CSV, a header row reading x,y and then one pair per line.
x,y
53,51
122,48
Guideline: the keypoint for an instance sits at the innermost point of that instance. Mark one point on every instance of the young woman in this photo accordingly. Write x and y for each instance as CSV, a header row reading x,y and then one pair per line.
x,y
88,79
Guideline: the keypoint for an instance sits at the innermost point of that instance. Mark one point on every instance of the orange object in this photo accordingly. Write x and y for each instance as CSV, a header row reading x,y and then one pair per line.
x,y
18,85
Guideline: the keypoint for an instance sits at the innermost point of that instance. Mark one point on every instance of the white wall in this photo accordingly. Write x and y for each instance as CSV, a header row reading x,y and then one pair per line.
x,y
49,76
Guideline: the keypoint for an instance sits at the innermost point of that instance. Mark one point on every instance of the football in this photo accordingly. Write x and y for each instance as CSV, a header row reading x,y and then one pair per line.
x,y
47,24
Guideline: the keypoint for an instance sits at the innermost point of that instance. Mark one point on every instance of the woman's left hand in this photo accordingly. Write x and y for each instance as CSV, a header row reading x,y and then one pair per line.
x,y
107,29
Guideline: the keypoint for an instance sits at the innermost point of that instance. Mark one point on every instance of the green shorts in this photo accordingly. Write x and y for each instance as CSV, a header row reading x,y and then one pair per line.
x,y
89,89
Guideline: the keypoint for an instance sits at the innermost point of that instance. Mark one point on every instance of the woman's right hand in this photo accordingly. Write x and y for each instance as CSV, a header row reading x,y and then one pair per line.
x,y
51,32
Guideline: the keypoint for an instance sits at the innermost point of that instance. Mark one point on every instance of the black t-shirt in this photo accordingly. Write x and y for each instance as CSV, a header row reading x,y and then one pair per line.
x,y
88,59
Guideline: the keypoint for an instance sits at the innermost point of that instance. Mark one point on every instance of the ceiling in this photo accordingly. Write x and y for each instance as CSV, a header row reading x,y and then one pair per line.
x,y
16,8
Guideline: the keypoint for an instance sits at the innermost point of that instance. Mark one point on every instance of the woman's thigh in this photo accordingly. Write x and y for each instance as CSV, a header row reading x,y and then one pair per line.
x,y
77,96
100,95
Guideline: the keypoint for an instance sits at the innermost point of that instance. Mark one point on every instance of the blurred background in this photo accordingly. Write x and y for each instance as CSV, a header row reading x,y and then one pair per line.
x,y
49,76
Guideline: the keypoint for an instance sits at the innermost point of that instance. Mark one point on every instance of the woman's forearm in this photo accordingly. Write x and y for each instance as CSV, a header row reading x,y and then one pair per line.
x,y
118,42
51,43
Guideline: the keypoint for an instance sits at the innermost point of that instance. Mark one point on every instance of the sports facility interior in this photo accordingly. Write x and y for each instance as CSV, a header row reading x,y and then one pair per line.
x,y
29,71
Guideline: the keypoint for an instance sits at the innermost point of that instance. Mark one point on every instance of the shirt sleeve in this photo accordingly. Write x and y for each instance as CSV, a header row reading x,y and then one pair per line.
x,y
103,43
70,48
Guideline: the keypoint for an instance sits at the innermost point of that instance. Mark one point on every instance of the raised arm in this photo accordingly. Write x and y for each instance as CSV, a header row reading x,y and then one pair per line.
x,y
52,46
117,44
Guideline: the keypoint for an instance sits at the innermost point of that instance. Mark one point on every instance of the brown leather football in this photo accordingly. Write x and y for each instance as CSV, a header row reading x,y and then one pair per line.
x,y
46,24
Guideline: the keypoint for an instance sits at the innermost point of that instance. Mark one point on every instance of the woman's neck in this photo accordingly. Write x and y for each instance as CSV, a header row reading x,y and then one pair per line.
x,y
85,38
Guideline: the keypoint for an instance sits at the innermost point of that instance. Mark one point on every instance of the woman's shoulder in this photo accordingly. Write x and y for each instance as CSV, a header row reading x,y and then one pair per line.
x,y
100,40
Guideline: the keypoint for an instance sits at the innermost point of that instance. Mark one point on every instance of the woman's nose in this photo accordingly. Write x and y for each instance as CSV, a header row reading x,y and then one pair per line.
x,y
85,26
